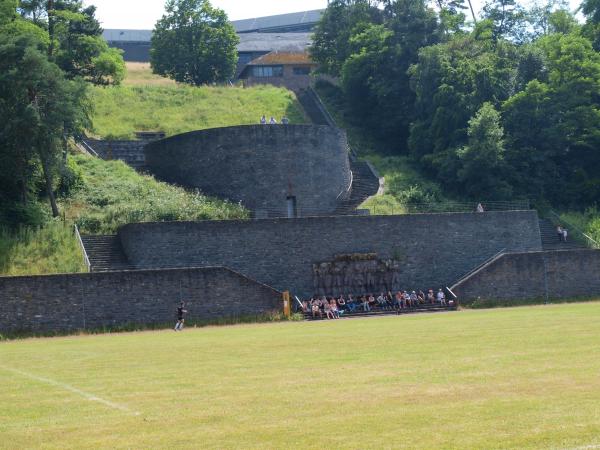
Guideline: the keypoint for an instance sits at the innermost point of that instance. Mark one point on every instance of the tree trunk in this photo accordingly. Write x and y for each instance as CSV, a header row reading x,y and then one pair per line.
x,y
472,12
49,189
50,8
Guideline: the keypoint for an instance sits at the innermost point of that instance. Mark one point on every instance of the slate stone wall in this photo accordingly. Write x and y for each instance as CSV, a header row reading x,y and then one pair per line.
x,y
433,249
260,166
96,300
535,275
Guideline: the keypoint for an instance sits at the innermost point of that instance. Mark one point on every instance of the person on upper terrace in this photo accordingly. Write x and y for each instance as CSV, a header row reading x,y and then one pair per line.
x,y
273,121
263,120
480,208
285,120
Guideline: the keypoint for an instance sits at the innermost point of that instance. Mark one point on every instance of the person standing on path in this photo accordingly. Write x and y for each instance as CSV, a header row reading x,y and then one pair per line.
x,y
180,319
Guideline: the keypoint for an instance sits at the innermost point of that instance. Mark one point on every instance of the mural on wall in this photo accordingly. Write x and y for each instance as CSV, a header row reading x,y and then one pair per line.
x,y
356,274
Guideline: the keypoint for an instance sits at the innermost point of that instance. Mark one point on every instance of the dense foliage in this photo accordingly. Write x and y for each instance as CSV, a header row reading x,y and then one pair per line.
x,y
504,106
194,43
48,51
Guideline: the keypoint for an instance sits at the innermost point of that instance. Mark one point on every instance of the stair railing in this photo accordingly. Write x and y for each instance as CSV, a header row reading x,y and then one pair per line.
x,y
574,230
321,106
472,271
86,259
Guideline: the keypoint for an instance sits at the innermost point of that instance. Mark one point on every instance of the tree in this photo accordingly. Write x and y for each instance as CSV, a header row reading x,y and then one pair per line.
x,y
40,110
342,20
509,18
76,42
483,168
194,43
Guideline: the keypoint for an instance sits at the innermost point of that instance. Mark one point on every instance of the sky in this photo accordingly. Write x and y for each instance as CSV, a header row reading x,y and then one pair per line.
x,y
143,14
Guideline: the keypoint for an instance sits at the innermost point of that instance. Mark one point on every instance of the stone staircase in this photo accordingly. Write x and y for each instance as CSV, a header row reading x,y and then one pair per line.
x,y
550,239
130,152
376,312
105,253
313,107
365,184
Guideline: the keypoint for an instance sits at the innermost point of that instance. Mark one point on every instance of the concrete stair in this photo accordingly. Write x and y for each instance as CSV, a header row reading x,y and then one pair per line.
x,y
311,104
106,253
427,308
365,184
550,240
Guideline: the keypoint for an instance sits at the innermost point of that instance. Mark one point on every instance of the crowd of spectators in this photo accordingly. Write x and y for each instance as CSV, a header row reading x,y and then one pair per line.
x,y
334,307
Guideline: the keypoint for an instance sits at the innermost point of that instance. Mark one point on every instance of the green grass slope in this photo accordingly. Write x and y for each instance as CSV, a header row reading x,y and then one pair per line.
x,y
105,195
148,102
518,378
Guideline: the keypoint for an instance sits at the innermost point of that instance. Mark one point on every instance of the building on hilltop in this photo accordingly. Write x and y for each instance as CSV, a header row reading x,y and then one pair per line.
x,y
284,33
289,69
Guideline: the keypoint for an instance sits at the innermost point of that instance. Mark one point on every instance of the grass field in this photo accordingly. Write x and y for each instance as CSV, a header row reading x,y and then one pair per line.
x,y
149,102
510,378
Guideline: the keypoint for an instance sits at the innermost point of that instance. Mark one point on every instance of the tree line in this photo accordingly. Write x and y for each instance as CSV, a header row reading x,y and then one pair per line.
x,y
500,106
50,51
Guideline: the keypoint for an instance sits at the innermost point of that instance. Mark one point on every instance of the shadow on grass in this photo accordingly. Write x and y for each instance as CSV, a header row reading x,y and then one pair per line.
x,y
274,316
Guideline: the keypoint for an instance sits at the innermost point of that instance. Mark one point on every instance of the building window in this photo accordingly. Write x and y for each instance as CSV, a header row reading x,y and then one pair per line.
x,y
301,70
267,71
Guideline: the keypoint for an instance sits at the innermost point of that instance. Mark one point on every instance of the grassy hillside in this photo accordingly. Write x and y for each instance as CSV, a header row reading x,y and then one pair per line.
x,y
148,102
522,378
104,195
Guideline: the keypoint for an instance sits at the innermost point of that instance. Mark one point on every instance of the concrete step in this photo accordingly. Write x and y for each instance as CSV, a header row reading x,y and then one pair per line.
x,y
105,253
379,312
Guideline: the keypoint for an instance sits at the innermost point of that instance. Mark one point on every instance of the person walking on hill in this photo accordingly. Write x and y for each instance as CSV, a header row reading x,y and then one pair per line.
x,y
180,319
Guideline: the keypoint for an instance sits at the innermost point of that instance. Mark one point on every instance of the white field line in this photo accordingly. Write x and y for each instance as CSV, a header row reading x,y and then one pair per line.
x,y
74,390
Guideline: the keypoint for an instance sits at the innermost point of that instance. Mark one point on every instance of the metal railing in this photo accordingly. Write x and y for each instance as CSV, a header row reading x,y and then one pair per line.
x,y
83,145
479,267
322,108
574,231
384,207
86,259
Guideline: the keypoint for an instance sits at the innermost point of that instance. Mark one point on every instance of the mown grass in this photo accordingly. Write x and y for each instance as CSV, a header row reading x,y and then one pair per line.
x,y
121,111
522,378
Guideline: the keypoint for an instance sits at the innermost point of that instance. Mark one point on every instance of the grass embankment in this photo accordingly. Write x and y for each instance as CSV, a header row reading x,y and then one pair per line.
x,y
519,378
147,102
105,195
405,184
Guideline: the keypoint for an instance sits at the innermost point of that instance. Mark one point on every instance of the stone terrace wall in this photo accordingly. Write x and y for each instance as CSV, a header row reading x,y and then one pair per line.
x,y
95,300
435,249
259,165
559,274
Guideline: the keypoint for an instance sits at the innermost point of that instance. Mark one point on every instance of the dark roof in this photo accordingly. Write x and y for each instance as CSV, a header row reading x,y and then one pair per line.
x,y
302,58
269,42
303,19
127,35
281,24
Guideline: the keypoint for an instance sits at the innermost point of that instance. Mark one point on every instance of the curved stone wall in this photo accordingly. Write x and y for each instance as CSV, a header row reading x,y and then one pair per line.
x,y
260,166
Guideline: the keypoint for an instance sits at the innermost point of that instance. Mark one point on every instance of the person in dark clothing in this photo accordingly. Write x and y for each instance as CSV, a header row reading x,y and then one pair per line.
x,y
180,319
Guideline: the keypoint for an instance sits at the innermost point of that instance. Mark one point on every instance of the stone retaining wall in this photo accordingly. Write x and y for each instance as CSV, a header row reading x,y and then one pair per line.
x,y
95,300
259,166
433,249
535,275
